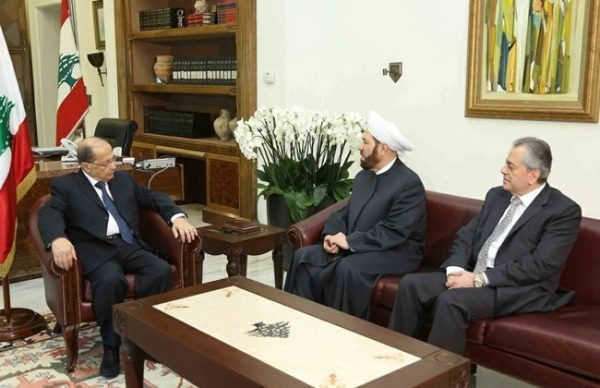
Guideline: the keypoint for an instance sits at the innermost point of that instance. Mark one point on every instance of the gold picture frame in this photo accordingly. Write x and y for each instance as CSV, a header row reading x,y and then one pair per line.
x,y
98,11
579,103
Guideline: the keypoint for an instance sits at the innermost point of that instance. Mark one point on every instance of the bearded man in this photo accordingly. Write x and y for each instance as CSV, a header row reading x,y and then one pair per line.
x,y
380,231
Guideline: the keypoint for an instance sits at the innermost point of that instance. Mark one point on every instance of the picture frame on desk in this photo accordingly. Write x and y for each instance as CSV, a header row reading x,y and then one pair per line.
x,y
520,88
99,34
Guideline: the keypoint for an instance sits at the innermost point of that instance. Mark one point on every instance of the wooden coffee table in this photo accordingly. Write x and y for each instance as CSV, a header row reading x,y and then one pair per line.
x,y
239,353
237,247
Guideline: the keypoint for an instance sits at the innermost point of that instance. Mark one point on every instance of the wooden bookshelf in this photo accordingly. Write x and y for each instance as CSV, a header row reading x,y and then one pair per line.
x,y
215,172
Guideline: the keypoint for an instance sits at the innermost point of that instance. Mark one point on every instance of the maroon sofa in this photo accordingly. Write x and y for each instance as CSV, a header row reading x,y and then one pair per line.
x,y
560,348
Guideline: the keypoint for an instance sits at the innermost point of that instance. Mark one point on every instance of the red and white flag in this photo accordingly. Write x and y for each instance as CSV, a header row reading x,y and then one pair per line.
x,y
17,174
72,99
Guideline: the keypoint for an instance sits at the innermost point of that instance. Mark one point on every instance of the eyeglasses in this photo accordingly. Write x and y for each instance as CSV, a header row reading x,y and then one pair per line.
x,y
107,163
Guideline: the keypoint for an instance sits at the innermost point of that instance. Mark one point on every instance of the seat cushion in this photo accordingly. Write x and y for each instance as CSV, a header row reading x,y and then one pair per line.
x,y
568,338
386,288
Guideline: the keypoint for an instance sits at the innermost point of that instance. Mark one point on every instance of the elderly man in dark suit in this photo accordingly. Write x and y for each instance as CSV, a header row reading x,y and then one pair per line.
x,y
507,260
93,216
380,231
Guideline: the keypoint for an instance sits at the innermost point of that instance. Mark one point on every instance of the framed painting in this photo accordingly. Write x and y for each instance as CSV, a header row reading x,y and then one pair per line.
x,y
98,10
534,59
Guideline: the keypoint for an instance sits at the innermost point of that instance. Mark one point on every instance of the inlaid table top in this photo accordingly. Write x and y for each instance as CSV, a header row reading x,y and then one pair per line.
x,y
244,333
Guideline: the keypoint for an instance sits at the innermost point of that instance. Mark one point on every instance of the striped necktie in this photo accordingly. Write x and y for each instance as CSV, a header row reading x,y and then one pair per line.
x,y
482,257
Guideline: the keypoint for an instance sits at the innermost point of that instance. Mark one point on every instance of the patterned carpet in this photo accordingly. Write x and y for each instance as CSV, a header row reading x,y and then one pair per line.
x,y
38,361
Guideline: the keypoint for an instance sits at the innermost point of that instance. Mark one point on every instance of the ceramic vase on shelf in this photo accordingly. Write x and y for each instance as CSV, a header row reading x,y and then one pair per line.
x,y
221,126
163,68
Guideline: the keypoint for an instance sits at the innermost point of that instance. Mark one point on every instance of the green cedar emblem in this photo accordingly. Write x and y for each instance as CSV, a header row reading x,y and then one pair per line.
x,y
6,106
65,69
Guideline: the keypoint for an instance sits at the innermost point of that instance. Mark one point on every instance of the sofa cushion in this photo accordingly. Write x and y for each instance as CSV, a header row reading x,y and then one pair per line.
x,y
568,338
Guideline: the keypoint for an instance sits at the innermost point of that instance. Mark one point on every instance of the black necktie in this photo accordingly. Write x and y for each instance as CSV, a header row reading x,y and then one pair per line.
x,y
124,228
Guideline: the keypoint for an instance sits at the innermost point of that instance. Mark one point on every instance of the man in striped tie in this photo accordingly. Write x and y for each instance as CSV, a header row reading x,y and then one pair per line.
x,y
93,217
507,260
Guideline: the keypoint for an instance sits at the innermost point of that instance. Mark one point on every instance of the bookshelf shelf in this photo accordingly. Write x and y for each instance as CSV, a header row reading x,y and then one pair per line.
x,y
228,90
215,172
186,33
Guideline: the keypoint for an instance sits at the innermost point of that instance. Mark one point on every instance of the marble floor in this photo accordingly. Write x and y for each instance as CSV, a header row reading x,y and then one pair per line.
x,y
30,294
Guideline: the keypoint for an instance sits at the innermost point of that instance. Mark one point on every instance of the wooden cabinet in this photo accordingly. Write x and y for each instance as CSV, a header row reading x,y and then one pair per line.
x,y
215,172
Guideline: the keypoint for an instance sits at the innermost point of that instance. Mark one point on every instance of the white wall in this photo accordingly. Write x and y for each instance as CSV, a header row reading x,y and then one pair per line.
x,y
333,53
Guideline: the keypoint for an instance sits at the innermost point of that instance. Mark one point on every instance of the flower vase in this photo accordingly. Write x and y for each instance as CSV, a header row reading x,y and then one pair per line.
x,y
163,68
278,215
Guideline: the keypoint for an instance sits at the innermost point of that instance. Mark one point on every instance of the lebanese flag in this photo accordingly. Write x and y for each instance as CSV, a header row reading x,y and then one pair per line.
x,y
17,174
72,100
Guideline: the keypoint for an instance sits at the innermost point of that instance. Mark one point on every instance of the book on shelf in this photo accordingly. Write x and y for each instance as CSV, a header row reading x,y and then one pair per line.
x,y
154,19
241,226
167,122
226,12
204,70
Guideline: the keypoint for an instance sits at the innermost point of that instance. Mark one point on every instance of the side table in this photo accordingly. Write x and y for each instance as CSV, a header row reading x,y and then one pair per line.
x,y
237,247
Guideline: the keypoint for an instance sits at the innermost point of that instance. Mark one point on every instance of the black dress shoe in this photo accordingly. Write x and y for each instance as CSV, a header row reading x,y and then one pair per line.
x,y
110,366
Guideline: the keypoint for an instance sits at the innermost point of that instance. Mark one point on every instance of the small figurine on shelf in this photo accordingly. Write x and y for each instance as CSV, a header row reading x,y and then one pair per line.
x,y
180,18
200,6
196,19
221,126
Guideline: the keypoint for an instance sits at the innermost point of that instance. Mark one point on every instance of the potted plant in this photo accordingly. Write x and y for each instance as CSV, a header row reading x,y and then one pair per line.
x,y
306,155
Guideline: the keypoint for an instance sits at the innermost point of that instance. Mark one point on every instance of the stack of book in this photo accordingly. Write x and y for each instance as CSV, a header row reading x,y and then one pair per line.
x,y
226,11
194,20
208,18
154,19
204,70
167,122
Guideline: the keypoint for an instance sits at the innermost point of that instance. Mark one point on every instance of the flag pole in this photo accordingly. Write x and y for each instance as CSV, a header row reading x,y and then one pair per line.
x,y
17,323
6,293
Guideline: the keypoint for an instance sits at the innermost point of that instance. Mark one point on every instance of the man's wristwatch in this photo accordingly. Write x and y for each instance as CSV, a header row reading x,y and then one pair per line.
x,y
478,280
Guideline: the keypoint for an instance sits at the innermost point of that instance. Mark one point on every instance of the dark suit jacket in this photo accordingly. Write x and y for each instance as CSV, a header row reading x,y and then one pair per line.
x,y
385,216
76,212
529,262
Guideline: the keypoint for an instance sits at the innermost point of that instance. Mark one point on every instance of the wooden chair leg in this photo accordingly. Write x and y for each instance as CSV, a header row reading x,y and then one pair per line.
x,y
70,334
57,328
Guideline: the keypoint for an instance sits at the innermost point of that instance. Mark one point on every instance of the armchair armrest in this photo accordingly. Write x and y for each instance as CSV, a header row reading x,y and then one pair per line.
x,y
182,255
63,289
308,231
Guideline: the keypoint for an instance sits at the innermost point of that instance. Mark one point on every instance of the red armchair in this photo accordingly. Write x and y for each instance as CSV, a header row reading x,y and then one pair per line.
x,y
69,296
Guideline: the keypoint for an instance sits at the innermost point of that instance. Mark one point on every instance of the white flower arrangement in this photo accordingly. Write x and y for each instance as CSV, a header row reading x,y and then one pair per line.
x,y
306,154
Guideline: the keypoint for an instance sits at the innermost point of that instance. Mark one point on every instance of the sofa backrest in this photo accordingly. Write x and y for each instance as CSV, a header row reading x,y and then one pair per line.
x,y
446,214
582,272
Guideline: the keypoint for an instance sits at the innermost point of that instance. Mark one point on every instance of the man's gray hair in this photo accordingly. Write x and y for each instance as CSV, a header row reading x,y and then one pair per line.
x,y
85,153
537,157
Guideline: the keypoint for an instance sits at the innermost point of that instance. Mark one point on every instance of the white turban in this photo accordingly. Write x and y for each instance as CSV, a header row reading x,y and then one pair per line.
x,y
388,133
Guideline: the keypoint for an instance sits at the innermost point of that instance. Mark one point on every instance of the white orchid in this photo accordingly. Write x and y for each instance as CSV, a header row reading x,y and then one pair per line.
x,y
306,154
